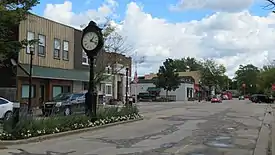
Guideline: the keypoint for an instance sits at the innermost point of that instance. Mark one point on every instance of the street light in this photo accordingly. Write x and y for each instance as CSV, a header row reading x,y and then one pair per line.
x,y
29,73
127,89
92,42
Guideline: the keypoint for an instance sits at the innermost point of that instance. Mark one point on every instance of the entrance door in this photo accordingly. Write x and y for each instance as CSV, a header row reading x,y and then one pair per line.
x,y
41,93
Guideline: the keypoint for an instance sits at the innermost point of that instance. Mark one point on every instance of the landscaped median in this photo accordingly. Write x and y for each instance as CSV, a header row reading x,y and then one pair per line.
x,y
31,130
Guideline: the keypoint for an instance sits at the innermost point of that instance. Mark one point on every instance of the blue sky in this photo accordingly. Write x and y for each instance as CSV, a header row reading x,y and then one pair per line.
x,y
218,34
157,8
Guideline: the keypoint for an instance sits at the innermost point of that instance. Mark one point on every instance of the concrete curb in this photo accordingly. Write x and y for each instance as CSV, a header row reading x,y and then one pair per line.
x,y
262,143
61,134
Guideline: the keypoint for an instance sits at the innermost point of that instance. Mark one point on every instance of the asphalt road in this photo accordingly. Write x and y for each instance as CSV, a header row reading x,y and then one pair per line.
x,y
191,128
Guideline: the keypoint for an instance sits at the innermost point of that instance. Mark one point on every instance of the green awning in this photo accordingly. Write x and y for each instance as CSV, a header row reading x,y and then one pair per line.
x,y
153,89
56,73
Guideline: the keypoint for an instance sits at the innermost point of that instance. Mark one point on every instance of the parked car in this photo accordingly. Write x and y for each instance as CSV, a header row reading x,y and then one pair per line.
x,y
146,97
241,97
65,103
216,99
6,107
261,98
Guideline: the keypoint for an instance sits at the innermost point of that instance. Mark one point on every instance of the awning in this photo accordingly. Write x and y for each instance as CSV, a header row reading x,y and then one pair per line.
x,y
56,73
153,89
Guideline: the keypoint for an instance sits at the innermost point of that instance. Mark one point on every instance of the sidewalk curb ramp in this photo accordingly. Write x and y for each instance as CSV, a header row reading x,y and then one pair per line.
x,y
61,134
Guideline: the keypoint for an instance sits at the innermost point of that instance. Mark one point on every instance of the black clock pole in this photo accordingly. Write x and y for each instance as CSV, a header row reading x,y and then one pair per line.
x,y
91,95
91,91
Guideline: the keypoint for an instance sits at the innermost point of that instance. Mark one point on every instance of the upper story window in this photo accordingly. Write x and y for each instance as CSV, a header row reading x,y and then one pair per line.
x,y
30,48
65,50
42,45
57,44
85,59
108,70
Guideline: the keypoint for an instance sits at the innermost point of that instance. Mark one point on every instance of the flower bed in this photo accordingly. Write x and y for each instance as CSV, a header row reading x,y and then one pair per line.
x,y
37,127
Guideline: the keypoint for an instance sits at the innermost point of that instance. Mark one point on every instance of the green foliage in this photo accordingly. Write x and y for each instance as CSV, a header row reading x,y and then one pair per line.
x,y
167,77
186,64
12,12
212,74
27,128
248,75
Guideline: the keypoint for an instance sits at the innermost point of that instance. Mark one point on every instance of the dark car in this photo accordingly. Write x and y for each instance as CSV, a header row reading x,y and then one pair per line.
x,y
65,103
146,97
260,98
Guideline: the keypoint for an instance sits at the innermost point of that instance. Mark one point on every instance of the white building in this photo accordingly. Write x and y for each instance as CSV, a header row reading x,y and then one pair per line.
x,y
185,90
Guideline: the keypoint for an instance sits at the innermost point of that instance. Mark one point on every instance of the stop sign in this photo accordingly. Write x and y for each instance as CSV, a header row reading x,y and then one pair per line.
x,y
273,87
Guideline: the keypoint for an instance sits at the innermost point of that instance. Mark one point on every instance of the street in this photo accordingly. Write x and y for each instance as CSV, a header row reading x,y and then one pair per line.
x,y
228,128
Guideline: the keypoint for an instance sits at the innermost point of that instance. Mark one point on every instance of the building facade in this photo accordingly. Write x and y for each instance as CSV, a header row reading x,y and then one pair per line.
x,y
59,63
110,71
185,90
53,59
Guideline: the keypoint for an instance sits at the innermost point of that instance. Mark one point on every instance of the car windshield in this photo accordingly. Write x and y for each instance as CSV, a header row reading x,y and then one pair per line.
x,y
75,96
62,97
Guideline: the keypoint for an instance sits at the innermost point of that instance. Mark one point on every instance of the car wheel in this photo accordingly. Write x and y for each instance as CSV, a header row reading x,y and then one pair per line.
x,y
67,111
8,115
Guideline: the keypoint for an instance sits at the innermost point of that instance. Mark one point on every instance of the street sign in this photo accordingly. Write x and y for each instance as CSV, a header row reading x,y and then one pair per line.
x,y
273,87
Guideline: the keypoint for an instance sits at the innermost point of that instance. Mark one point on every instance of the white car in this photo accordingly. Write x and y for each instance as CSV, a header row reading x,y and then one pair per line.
x,y
6,107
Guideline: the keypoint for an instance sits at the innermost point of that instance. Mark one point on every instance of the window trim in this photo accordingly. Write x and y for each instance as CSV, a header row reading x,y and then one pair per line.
x,y
84,55
34,91
45,43
29,46
63,51
106,89
54,48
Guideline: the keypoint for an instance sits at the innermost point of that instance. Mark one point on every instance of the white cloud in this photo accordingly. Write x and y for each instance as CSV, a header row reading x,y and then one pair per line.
x,y
229,38
63,13
216,5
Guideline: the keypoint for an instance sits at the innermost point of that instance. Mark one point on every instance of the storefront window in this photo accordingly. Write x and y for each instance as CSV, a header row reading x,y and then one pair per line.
x,y
57,90
25,91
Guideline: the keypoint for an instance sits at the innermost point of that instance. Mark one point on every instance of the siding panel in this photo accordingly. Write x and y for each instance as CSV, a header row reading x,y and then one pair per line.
x,y
51,30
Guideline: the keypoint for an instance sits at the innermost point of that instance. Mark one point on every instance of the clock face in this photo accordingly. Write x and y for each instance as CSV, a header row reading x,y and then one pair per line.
x,y
90,41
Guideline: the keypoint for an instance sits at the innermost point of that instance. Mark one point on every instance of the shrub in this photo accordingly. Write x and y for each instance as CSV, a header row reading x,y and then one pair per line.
x,y
32,127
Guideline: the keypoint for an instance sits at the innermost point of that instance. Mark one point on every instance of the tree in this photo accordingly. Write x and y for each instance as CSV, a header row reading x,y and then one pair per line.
x,y
248,75
270,5
167,77
12,12
266,79
114,45
212,74
188,63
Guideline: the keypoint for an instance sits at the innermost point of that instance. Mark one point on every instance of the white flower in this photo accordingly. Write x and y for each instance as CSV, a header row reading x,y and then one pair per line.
x,y
57,130
29,135
39,132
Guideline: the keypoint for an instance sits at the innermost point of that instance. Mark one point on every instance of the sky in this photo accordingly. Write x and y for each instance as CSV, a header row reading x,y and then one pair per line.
x,y
231,32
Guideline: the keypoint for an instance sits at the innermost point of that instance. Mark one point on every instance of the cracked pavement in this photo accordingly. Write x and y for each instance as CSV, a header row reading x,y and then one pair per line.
x,y
177,128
